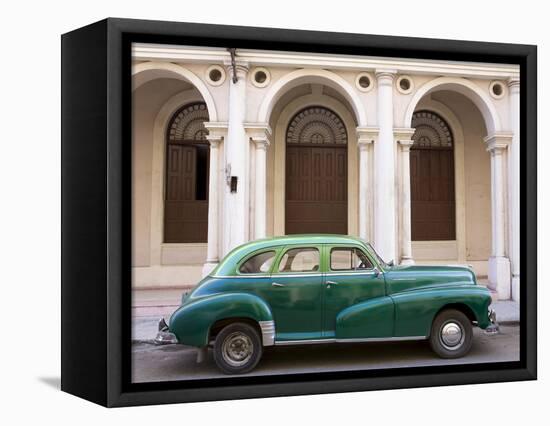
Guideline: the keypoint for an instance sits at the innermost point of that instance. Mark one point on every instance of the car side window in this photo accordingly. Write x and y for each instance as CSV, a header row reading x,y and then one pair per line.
x,y
300,260
259,263
349,259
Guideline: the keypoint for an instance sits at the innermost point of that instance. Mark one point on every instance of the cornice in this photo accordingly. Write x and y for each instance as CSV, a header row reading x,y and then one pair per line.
x,y
211,55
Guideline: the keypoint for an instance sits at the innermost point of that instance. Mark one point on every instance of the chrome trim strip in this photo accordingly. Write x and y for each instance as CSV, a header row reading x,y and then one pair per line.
x,y
268,332
241,276
303,342
352,340
366,272
303,274
300,275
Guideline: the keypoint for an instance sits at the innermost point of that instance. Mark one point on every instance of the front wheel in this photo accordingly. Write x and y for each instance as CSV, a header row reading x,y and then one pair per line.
x,y
451,335
237,348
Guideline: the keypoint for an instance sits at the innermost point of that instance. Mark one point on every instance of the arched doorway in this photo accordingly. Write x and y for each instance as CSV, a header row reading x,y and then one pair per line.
x,y
316,197
432,171
187,170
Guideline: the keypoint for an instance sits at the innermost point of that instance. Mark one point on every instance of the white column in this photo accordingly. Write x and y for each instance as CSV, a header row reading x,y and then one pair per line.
x,y
404,138
236,154
216,134
365,139
499,264
384,170
259,134
513,185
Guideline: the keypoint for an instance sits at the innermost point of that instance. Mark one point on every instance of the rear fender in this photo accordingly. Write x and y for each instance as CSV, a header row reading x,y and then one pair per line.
x,y
191,323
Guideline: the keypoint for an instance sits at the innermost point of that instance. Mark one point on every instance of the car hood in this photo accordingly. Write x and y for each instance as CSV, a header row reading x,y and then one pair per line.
x,y
407,277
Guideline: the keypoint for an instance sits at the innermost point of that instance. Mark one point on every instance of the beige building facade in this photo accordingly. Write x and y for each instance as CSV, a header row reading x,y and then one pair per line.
x,y
419,157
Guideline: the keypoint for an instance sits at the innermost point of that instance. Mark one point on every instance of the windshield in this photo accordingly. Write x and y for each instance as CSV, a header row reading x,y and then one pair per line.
x,y
378,258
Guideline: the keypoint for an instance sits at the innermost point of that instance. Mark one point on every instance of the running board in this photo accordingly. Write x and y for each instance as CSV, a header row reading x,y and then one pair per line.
x,y
352,340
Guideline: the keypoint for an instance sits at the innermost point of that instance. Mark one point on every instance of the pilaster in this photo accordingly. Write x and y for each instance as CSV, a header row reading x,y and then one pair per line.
x,y
260,135
217,132
404,139
366,137
499,264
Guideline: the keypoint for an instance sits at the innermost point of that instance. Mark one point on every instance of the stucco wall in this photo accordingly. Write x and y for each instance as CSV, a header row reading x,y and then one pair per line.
x,y
477,174
146,103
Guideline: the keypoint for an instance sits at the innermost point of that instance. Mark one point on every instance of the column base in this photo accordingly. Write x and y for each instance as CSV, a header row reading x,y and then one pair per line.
x,y
515,288
499,277
407,261
208,267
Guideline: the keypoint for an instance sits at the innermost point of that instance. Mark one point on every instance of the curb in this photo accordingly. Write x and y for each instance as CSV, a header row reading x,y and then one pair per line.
x,y
144,341
509,322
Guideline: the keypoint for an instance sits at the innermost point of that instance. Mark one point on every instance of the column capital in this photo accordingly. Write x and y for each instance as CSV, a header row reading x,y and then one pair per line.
x,y
217,132
403,133
385,76
513,82
498,142
366,136
259,133
241,68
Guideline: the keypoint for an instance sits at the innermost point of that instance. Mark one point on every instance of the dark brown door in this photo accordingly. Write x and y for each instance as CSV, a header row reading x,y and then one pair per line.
x,y
316,182
186,203
186,193
432,180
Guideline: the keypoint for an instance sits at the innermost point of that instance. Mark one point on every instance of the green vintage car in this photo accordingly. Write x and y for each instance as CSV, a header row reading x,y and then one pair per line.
x,y
304,289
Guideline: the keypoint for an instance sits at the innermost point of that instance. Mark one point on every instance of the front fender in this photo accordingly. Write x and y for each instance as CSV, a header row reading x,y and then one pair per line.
x,y
371,318
191,322
415,310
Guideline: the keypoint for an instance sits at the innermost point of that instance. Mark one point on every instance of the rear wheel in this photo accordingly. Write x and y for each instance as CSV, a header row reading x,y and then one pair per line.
x,y
451,335
237,348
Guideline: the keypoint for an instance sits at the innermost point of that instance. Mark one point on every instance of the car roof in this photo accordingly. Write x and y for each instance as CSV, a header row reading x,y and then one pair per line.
x,y
227,265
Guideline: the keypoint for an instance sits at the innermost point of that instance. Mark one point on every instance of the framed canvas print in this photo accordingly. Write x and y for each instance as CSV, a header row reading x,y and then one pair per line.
x,y
252,212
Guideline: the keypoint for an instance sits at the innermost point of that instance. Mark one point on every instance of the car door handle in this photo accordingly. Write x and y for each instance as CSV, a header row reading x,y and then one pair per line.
x,y
332,283
277,285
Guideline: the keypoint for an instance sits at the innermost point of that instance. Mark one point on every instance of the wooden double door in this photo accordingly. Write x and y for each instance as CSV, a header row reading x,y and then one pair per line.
x,y
316,189
433,208
316,193
186,200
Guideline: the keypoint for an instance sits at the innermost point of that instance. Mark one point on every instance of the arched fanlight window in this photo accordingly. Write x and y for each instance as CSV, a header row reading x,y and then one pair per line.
x,y
316,125
187,165
431,131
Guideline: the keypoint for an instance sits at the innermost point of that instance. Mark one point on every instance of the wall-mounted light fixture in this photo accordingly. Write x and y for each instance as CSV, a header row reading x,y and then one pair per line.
x,y
233,184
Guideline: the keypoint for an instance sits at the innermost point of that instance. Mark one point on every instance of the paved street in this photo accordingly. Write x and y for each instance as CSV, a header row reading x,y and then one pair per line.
x,y
176,362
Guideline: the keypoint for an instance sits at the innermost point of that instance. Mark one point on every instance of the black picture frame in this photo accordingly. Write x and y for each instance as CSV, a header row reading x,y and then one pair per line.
x,y
96,208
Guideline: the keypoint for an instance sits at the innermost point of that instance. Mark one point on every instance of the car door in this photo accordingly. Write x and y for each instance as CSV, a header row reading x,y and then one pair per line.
x,y
352,280
295,293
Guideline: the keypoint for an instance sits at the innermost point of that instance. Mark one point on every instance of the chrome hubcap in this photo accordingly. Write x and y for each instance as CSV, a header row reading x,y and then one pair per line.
x,y
452,335
237,349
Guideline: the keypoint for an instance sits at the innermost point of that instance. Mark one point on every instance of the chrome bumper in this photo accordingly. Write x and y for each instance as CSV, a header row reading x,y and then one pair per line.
x,y
164,336
493,327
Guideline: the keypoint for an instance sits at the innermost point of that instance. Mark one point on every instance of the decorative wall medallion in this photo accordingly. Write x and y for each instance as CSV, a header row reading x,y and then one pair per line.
x,y
260,77
404,84
215,75
364,82
497,89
